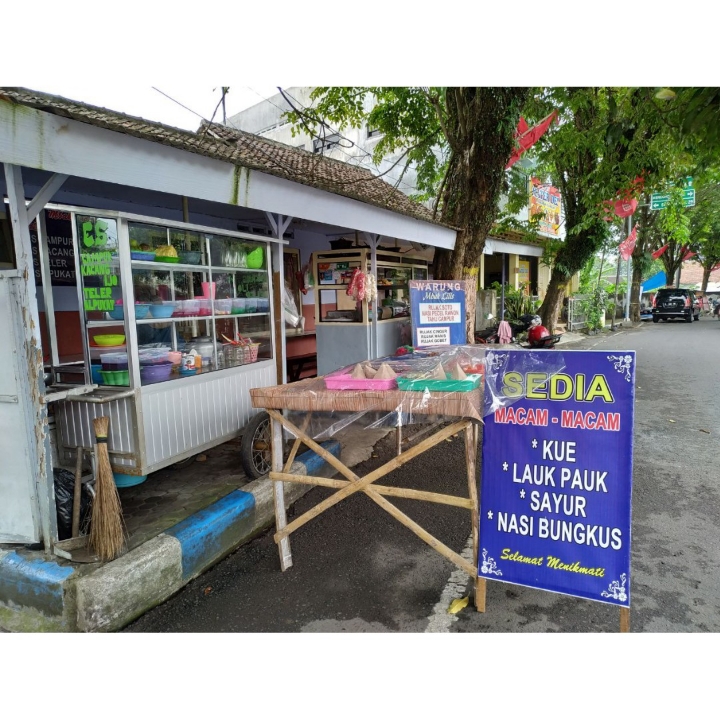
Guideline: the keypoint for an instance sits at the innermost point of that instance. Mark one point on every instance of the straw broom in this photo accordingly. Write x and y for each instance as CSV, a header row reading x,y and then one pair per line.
x,y
107,535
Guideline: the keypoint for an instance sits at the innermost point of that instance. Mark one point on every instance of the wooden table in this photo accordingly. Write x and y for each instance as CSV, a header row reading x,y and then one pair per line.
x,y
311,396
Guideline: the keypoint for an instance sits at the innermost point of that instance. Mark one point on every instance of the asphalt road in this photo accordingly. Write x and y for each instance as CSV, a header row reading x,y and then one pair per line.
x,y
358,570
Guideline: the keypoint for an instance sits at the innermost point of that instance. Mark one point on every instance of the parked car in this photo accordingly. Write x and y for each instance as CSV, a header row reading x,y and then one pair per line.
x,y
673,303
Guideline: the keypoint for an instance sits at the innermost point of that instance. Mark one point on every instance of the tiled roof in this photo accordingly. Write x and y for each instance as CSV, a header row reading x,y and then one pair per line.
x,y
692,274
239,148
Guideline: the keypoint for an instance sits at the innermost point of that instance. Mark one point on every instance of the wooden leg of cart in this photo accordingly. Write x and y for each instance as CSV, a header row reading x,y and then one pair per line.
x,y
279,494
624,619
471,443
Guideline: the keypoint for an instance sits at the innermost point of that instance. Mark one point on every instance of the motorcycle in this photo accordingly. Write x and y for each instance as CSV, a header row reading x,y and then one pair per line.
x,y
538,335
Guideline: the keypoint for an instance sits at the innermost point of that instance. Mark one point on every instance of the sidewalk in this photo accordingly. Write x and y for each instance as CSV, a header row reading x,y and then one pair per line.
x,y
179,525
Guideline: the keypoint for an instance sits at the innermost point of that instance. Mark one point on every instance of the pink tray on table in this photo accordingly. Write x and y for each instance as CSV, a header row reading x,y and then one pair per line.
x,y
345,382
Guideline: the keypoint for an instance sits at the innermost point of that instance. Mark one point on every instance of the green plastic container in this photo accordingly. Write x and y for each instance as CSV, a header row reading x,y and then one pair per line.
x,y
449,385
115,377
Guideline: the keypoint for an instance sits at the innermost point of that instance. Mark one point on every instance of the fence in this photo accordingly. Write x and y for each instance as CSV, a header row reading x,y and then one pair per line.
x,y
577,318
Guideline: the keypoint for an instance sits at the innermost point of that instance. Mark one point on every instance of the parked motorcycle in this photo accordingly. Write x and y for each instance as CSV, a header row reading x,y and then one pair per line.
x,y
538,335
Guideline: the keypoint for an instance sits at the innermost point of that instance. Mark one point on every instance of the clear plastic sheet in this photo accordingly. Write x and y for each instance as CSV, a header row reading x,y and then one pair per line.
x,y
417,394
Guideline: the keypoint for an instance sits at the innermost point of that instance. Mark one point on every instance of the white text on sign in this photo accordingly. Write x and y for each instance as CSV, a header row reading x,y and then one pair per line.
x,y
437,313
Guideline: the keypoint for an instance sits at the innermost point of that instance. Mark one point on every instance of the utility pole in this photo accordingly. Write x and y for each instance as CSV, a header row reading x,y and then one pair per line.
x,y
617,282
629,266
224,93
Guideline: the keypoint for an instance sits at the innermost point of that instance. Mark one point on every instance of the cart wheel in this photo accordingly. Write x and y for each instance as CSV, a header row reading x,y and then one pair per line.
x,y
184,463
256,446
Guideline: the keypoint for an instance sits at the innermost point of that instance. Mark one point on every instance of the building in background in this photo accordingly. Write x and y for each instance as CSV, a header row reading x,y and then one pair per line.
x,y
356,145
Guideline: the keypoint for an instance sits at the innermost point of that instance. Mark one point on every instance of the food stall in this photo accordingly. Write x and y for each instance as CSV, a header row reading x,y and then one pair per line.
x,y
354,325
176,324
439,387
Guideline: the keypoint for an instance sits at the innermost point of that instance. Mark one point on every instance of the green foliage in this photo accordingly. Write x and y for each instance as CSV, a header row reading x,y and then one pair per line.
x,y
517,303
673,219
705,224
408,118
593,306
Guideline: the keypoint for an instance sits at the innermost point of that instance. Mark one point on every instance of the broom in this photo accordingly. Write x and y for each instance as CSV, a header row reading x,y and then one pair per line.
x,y
107,535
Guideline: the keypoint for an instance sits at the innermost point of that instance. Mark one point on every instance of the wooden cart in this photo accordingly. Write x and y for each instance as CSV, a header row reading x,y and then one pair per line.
x,y
310,396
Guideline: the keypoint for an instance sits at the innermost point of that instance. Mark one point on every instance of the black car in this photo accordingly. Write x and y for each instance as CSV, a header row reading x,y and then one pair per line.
x,y
671,303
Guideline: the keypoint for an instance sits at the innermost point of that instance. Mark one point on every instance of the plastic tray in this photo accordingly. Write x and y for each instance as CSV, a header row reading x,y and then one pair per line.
x,y
345,382
449,385
142,255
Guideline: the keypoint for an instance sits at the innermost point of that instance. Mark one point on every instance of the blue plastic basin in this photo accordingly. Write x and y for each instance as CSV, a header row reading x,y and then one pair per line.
x,y
162,311
122,480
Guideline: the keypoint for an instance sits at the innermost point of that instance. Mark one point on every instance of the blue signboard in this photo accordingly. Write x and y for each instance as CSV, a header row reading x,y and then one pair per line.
x,y
437,310
557,472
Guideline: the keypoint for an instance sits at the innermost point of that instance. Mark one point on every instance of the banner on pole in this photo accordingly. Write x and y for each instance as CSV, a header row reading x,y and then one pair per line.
x,y
437,311
557,472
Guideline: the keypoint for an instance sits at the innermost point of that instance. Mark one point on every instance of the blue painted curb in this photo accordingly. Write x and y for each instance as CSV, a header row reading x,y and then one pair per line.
x,y
210,533
201,535
33,582
110,597
313,462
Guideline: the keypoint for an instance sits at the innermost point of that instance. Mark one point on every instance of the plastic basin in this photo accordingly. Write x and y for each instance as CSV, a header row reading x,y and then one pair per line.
x,y
109,340
123,480
165,310
190,257
118,313
155,373
141,310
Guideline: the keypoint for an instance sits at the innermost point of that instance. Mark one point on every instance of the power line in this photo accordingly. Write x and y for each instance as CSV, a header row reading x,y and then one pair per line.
x,y
356,158
179,103
324,124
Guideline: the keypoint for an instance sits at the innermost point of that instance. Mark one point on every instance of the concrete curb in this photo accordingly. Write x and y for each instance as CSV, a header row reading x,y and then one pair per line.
x,y
41,594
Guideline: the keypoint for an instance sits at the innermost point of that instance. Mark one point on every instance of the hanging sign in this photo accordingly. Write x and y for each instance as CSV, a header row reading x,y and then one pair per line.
x,y
59,248
544,202
437,310
557,472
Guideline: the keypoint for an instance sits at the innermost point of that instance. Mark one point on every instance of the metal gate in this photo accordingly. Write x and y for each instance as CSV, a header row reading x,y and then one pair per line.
x,y
577,318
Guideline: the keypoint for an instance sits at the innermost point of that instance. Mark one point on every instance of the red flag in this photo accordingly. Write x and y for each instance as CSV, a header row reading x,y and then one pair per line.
x,y
625,208
628,244
688,255
715,267
527,138
659,252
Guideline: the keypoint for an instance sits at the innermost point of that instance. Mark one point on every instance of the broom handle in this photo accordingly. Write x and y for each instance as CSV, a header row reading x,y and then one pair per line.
x,y
77,489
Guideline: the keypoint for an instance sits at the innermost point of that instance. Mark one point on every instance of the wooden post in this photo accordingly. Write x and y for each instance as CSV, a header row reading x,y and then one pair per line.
x,y
357,483
77,494
279,494
624,620
296,444
471,439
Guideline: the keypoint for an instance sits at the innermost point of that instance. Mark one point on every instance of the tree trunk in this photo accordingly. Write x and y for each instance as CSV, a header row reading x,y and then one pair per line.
x,y
602,262
552,304
480,130
706,278
671,264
